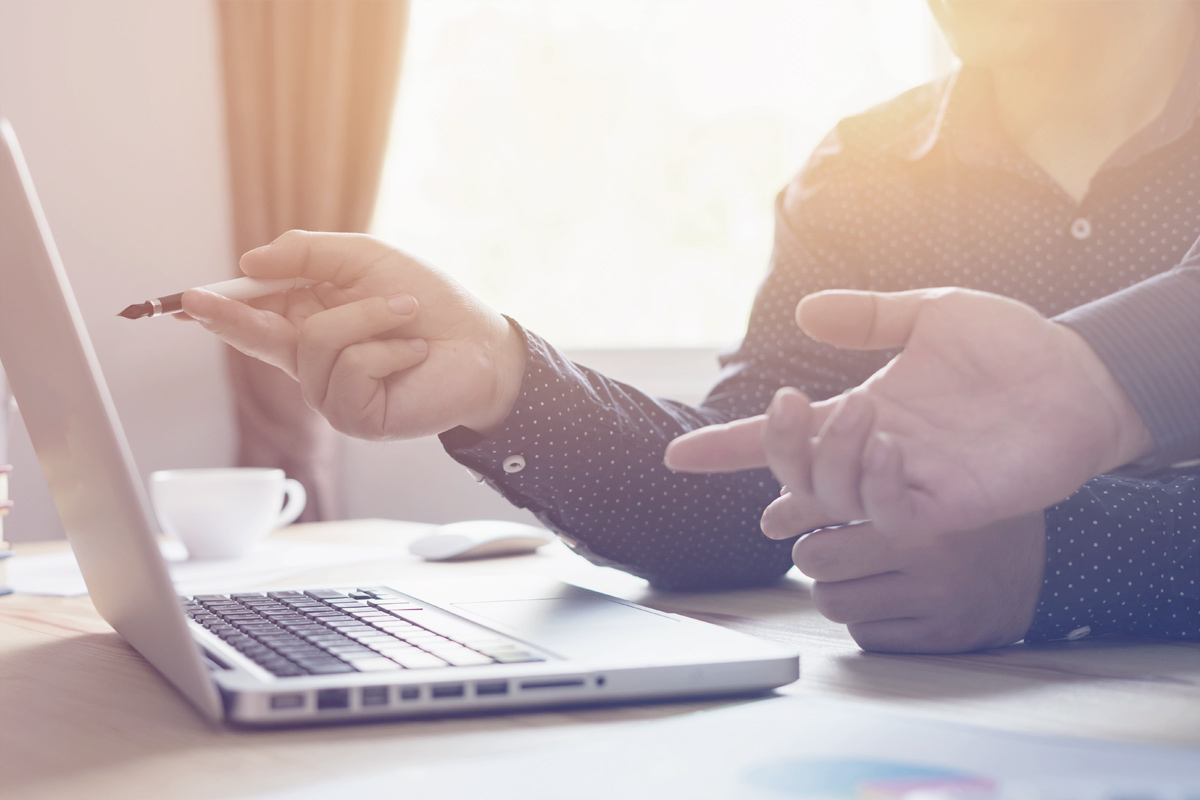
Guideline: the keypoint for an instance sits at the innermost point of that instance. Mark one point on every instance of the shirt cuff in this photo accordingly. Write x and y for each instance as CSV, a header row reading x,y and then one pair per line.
x,y
527,459
1149,337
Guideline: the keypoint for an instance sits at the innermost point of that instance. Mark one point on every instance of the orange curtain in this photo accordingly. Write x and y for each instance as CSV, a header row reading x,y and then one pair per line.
x,y
309,90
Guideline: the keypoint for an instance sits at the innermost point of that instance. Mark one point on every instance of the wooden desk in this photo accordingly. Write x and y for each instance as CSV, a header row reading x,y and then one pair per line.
x,y
82,715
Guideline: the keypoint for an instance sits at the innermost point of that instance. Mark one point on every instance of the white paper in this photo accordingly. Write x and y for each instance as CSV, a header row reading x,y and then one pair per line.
x,y
273,560
795,747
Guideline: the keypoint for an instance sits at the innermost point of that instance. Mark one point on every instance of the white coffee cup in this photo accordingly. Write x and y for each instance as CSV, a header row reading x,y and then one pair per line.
x,y
223,512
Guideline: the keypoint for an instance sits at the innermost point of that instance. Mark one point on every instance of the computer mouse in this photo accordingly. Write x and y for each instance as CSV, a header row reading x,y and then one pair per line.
x,y
479,538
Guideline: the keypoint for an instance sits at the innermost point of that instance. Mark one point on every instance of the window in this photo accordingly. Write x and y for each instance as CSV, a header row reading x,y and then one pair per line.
x,y
606,171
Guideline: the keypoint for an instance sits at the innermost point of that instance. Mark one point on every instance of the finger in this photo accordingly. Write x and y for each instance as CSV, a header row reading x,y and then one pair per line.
x,y
890,595
719,448
335,257
838,457
862,320
261,334
324,335
791,515
886,497
357,402
847,552
908,635
787,440
297,305
331,295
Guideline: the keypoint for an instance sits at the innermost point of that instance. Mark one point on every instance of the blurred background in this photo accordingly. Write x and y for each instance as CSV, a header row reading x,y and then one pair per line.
x,y
572,163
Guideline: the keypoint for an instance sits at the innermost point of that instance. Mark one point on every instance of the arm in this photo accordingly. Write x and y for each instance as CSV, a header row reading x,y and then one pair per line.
x,y
1123,556
991,410
381,367
592,447
1149,338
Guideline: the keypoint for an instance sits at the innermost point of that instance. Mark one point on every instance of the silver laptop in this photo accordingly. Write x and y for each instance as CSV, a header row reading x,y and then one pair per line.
x,y
326,654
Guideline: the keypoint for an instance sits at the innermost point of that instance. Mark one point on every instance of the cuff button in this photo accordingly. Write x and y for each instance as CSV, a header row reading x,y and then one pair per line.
x,y
1079,633
514,464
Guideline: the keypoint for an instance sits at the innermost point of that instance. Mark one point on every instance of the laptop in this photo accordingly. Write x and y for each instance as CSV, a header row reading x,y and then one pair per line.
x,y
326,654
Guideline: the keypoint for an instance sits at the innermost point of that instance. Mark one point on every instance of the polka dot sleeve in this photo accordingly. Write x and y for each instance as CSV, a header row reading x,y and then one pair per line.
x,y
585,454
1123,556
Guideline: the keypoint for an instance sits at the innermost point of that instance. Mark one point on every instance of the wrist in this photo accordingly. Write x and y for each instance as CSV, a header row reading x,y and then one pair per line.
x,y
507,354
1123,435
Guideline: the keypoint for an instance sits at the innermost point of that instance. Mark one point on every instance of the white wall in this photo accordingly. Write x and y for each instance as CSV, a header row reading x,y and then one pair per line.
x,y
117,104
117,108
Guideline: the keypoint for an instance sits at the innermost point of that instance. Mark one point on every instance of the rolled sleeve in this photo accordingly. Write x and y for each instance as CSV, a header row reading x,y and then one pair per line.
x,y
1149,337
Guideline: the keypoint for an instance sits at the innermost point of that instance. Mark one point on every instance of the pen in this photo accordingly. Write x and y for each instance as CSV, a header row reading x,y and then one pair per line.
x,y
236,289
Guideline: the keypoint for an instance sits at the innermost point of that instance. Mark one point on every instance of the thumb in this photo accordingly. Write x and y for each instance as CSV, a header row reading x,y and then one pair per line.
x,y
862,320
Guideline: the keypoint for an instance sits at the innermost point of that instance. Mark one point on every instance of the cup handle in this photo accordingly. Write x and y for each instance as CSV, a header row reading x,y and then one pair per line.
x,y
296,500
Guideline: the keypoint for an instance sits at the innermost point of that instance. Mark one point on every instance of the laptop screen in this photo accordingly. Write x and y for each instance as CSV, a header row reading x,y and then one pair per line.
x,y
69,414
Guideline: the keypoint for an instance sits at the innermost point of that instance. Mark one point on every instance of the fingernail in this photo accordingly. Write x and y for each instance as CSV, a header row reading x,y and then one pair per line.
x,y
420,345
850,414
403,304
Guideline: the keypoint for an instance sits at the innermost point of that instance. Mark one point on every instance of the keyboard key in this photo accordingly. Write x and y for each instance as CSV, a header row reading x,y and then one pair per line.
x,y
467,658
418,661
286,670
376,664
516,657
331,668
325,594
349,653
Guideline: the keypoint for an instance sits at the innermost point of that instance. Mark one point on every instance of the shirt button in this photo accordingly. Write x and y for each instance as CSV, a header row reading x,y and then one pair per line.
x,y
1081,228
514,463
1079,633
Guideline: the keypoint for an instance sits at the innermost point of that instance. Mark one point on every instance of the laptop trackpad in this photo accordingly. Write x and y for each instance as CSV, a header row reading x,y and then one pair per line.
x,y
573,625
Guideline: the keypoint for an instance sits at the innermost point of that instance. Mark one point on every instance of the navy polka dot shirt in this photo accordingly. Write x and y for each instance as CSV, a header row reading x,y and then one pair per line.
x,y
923,191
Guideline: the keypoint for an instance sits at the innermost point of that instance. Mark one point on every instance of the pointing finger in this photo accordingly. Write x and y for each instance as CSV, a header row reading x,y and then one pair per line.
x,y
838,455
719,448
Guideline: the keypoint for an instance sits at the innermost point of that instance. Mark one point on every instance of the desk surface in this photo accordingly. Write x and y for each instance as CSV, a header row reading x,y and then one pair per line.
x,y
82,715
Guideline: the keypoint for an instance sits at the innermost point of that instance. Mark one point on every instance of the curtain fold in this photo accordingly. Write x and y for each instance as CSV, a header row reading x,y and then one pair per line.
x,y
309,91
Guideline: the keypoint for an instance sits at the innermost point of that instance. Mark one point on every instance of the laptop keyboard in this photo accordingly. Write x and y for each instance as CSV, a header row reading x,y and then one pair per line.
x,y
326,631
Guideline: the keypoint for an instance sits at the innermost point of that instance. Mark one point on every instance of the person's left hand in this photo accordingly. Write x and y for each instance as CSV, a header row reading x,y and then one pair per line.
x,y
956,592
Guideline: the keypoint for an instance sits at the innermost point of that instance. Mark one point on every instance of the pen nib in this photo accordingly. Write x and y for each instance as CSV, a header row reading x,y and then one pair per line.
x,y
137,311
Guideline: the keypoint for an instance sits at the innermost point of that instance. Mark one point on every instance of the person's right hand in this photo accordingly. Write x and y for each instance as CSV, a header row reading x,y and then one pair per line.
x,y
990,411
385,347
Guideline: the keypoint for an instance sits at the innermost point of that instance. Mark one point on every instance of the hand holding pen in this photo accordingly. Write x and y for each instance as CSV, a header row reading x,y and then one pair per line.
x,y
383,345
